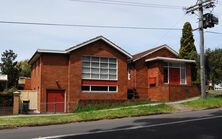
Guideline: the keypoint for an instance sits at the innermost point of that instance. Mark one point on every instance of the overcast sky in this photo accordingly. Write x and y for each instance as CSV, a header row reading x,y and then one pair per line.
x,y
26,39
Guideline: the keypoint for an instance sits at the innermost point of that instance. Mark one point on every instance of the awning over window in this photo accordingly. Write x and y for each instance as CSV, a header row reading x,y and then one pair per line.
x,y
168,59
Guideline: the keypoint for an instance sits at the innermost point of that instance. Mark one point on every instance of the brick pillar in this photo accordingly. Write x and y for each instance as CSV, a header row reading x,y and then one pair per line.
x,y
16,102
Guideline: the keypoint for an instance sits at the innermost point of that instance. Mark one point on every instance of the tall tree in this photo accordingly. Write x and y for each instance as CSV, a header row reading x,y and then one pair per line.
x,y
188,49
187,46
9,67
24,68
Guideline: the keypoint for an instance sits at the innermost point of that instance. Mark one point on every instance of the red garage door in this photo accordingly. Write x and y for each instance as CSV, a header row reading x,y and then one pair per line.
x,y
55,100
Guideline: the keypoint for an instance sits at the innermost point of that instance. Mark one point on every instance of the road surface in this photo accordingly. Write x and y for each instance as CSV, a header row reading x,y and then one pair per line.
x,y
205,124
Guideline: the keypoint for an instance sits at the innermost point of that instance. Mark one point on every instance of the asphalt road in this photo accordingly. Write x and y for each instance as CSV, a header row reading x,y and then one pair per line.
x,y
205,124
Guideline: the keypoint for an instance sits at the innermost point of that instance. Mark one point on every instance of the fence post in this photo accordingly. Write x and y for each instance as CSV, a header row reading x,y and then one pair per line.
x,y
16,102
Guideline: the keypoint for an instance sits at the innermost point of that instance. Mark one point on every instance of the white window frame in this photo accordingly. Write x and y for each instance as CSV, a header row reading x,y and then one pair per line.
x,y
128,71
108,91
180,67
181,74
168,74
108,68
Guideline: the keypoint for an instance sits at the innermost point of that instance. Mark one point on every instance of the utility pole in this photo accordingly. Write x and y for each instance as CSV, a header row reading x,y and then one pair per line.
x,y
202,60
204,22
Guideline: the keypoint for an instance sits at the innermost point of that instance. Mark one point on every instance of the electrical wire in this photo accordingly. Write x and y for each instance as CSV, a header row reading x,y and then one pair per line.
x,y
124,3
97,26
88,26
213,32
167,32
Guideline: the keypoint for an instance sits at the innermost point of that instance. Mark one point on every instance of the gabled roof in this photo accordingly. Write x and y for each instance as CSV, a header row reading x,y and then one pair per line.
x,y
169,59
96,39
67,51
150,51
39,51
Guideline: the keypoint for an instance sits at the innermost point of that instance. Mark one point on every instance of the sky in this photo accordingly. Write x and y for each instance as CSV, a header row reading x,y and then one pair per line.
x,y
26,39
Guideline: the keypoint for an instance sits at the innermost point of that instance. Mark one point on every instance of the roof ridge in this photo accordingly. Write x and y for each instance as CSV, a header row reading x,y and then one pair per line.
x,y
96,39
100,36
149,51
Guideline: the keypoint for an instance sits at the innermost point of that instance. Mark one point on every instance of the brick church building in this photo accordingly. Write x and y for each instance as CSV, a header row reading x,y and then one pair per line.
x,y
99,71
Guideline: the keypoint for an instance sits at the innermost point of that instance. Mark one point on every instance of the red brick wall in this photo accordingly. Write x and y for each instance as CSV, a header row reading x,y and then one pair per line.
x,y
27,85
173,92
36,79
180,92
132,81
35,82
141,79
162,53
160,93
56,68
54,75
58,71
142,73
98,48
154,71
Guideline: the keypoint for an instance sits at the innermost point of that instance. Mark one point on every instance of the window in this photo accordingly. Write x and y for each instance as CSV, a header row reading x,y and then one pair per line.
x,y
182,68
174,65
99,88
183,74
166,75
85,88
128,70
99,68
94,88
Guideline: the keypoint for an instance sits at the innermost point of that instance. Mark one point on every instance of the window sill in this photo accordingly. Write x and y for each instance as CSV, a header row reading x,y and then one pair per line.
x,y
96,92
177,84
101,79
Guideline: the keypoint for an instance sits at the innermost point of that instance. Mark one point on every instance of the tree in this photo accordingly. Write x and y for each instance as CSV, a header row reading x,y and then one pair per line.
x,y
188,49
214,65
9,67
187,46
24,68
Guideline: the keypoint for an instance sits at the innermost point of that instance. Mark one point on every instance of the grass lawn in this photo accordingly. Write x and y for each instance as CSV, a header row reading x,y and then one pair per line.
x,y
11,122
94,107
209,102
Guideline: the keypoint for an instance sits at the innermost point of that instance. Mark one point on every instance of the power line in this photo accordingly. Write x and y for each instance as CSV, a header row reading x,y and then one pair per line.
x,y
213,32
97,26
167,32
124,3
145,4
88,26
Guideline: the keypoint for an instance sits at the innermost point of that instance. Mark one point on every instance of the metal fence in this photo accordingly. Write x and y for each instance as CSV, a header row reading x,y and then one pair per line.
x,y
58,107
53,107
